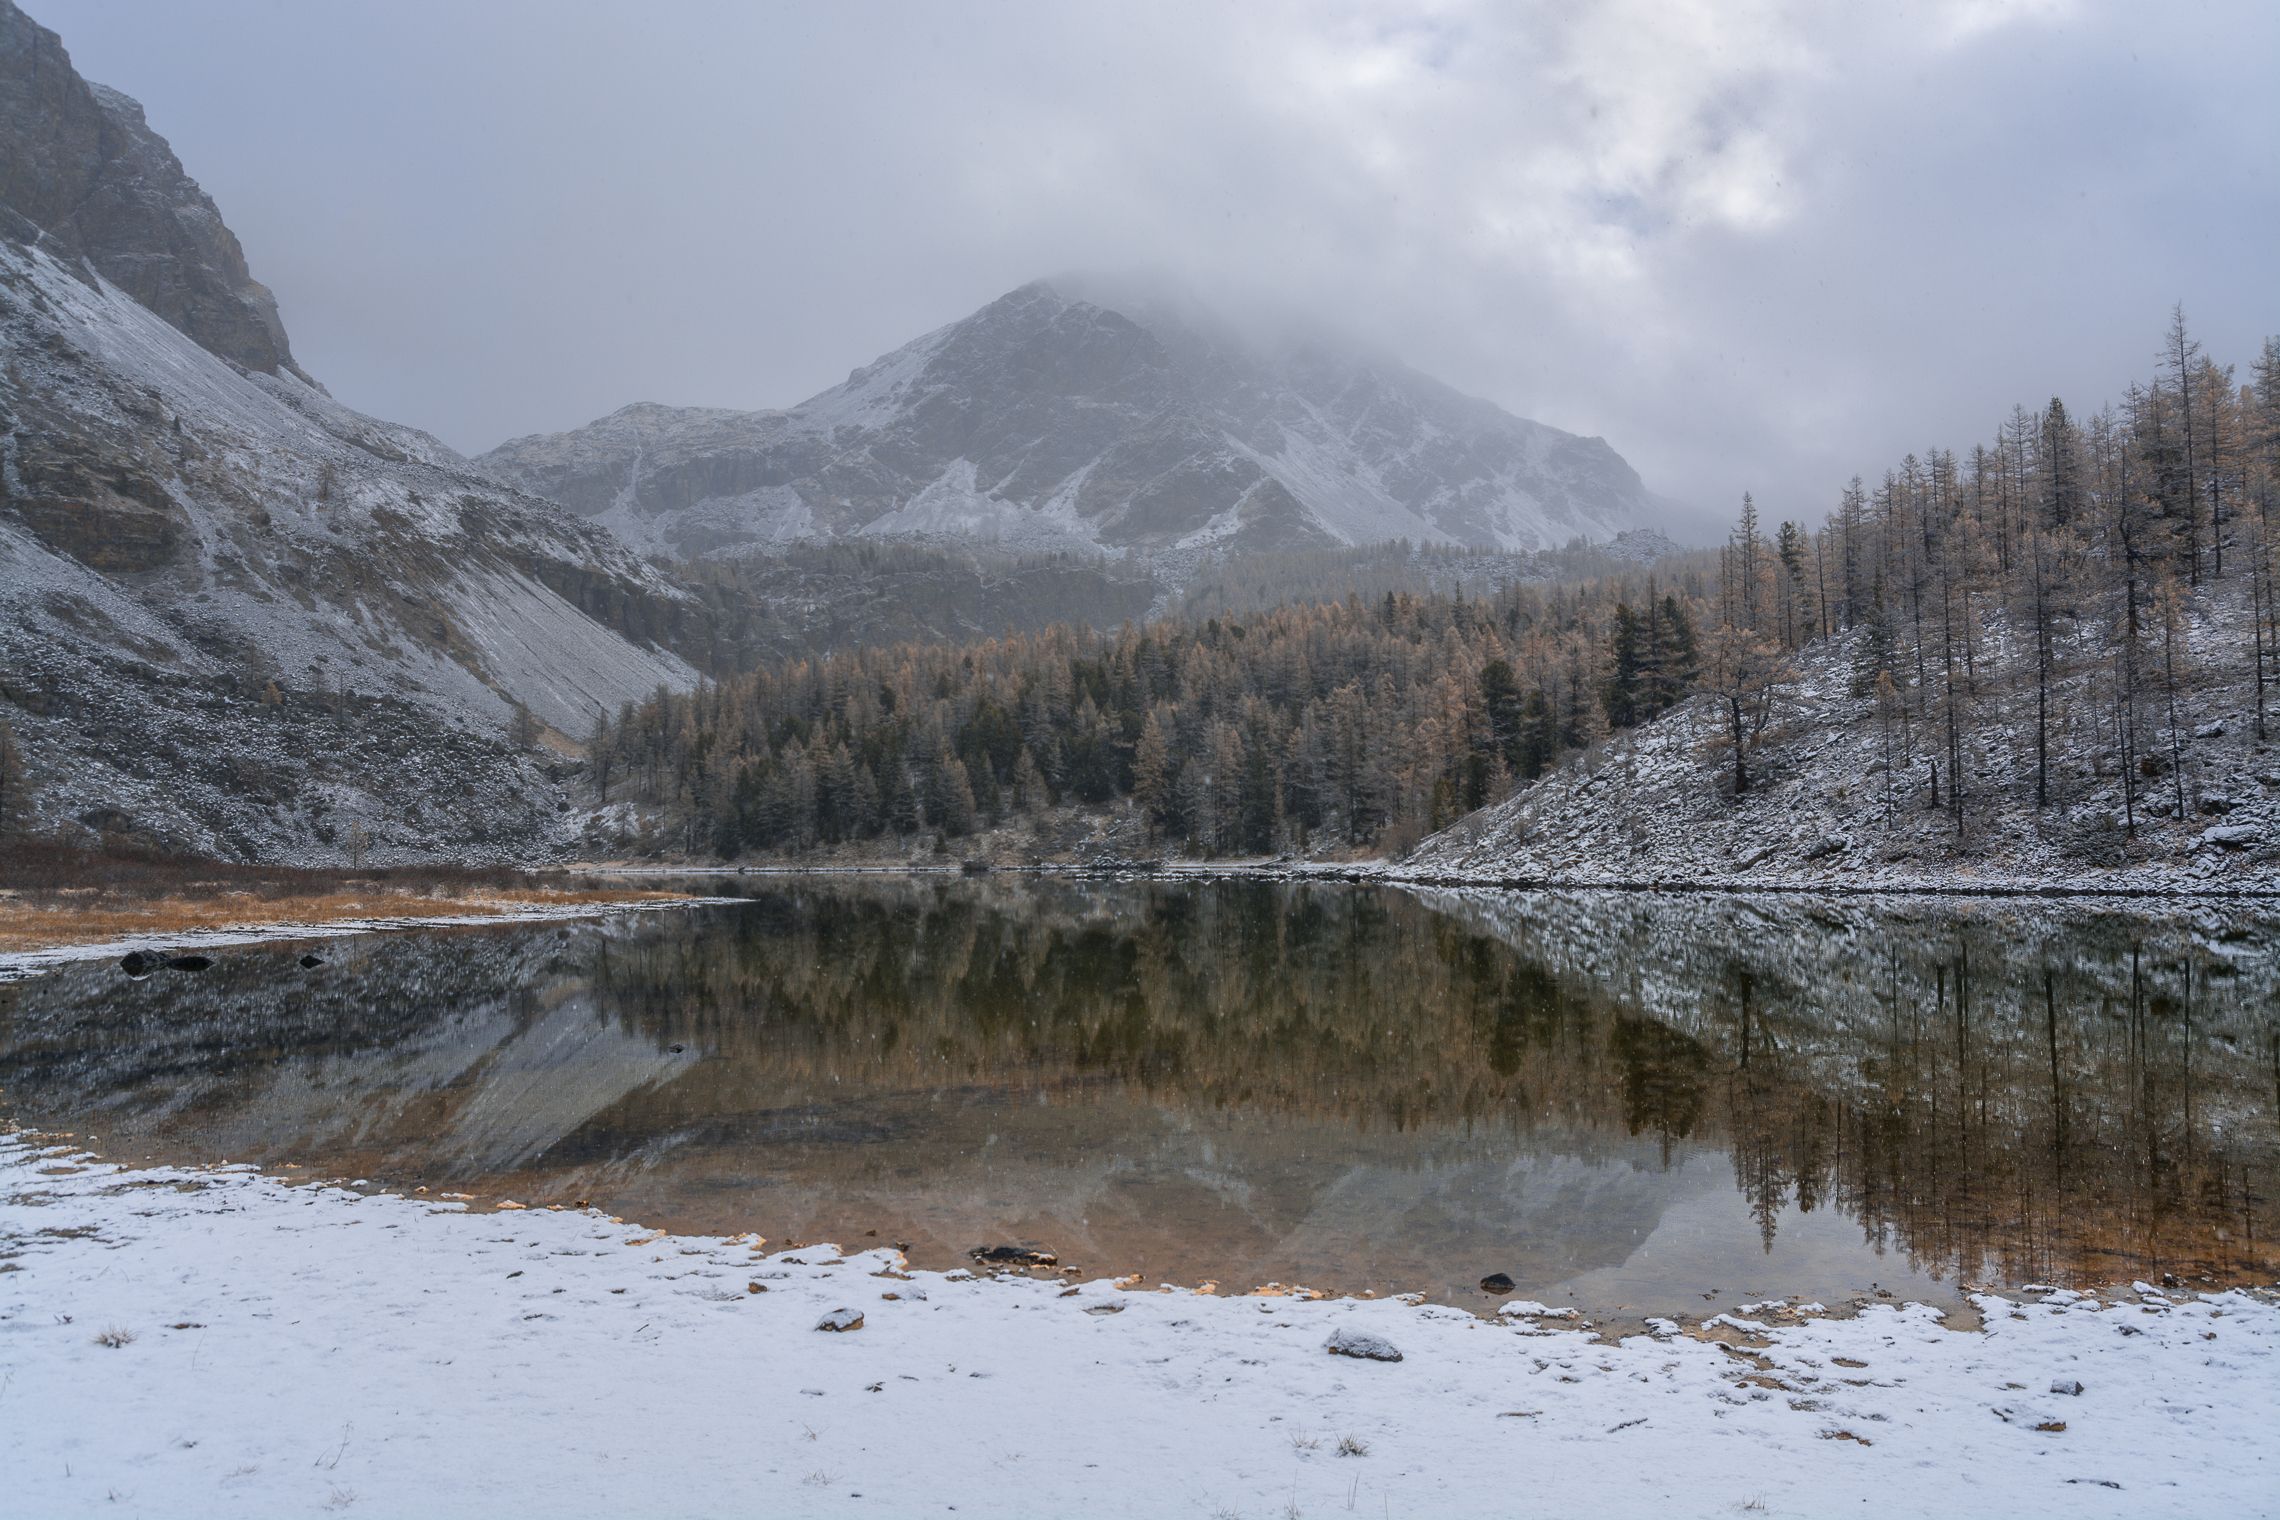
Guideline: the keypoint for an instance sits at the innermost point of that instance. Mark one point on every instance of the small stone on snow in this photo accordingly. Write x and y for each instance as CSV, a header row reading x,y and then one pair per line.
x,y
1362,1344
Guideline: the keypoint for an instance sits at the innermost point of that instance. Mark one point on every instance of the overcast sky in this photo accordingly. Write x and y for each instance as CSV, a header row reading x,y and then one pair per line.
x,y
1755,246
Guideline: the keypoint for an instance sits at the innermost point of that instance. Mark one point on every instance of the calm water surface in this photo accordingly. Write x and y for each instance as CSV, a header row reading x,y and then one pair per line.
x,y
1639,1104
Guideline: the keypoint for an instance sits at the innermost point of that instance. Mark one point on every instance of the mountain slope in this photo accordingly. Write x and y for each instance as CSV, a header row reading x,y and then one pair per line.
x,y
1840,797
1063,416
236,616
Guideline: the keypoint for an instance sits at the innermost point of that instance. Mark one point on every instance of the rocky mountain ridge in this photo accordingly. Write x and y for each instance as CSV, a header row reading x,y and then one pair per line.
x,y
1066,416
236,616
97,184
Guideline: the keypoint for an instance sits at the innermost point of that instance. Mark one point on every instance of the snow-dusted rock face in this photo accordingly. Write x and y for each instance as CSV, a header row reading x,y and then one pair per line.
x,y
1063,417
81,165
236,616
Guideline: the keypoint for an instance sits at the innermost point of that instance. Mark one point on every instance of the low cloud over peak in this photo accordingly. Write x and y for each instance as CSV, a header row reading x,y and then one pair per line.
x,y
1754,245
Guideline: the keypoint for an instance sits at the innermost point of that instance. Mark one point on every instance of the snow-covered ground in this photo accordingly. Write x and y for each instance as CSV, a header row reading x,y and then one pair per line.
x,y
221,1342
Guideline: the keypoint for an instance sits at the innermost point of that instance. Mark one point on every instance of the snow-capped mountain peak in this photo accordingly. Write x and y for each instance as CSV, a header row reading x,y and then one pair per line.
x,y
1095,414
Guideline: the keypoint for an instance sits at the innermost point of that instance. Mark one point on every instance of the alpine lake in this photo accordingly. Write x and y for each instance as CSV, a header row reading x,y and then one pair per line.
x,y
1638,1104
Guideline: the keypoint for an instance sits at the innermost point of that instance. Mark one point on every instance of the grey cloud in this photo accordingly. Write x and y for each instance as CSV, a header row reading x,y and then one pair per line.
x,y
1756,246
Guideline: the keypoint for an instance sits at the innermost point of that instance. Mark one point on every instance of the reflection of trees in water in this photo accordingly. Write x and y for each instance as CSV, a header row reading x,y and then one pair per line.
x,y
2089,1099
2091,1095
2077,1106
1352,1005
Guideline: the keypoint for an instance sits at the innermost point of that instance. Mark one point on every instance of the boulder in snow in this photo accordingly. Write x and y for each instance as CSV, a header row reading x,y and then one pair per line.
x,y
2071,1386
1360,1343
2230,835
841,1319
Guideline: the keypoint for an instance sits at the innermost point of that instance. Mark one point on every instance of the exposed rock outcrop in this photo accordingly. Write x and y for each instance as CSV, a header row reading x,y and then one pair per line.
x,y
80,163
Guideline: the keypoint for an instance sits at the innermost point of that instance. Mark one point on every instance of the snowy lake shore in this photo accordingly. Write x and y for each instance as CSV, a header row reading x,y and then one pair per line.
x,y
2151,881
18,964
218,1341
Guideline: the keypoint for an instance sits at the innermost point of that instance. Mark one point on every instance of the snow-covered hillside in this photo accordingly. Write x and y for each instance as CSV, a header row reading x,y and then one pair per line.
x,y
197,562
1840,798
238,617
1065,416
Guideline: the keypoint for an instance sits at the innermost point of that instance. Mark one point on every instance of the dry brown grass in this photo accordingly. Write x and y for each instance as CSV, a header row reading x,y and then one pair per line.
x,y
51,896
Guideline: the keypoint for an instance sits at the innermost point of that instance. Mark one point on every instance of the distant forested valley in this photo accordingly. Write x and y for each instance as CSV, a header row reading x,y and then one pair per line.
x,y
2053,587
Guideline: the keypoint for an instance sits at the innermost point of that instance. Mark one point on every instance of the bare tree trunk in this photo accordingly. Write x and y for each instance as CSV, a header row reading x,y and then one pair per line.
x,y
1916,599
1886,700
1741,776
2182,351
1954,735
2169,686
2125,735
2042,682
1821,578
2256,595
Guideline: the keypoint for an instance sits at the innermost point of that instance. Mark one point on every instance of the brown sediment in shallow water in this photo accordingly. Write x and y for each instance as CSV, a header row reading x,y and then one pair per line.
x,y
56,918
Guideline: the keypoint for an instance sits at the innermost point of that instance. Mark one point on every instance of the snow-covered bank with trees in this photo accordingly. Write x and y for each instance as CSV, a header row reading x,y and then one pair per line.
x,y
1840,790
2048,664
221,1342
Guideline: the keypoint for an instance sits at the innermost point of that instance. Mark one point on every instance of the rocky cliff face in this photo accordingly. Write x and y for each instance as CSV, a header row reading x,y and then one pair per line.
x,y
83,166
236,616
1068,417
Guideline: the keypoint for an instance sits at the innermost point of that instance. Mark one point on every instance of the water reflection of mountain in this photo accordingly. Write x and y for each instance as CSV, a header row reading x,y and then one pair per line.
x,y
1253,1079
483,1044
